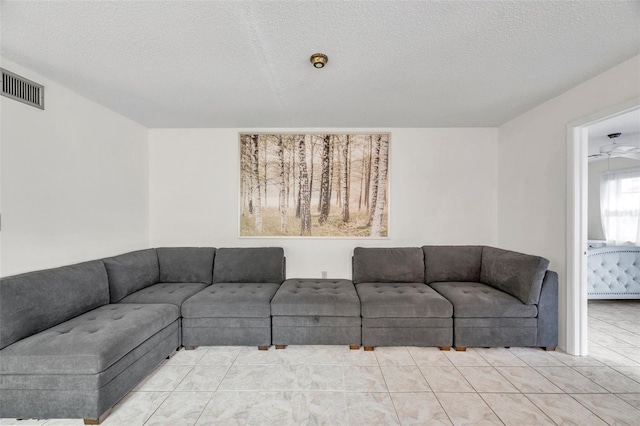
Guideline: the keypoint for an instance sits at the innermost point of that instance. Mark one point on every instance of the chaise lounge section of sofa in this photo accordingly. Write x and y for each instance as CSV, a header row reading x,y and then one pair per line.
x,y
66,352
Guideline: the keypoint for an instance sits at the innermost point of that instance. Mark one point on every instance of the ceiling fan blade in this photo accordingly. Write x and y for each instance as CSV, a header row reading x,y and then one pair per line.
x,y
633,155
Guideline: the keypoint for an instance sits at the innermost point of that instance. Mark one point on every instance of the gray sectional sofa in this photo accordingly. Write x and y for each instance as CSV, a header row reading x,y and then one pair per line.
x,y
460,295
74,340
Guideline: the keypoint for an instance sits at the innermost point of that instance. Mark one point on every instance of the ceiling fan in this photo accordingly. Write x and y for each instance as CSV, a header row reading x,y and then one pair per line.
x,y
615,149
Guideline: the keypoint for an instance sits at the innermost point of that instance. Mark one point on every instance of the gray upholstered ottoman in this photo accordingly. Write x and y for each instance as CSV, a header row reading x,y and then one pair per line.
x,y
316,312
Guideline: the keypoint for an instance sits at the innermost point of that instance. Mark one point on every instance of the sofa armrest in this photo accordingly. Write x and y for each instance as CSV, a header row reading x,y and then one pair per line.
x,y
548,311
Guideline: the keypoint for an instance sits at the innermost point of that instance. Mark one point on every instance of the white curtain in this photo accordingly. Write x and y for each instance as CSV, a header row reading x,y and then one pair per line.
x,y
620,206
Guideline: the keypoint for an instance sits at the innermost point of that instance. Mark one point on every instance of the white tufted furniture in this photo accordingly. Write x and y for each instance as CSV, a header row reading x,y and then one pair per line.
x,y
613,272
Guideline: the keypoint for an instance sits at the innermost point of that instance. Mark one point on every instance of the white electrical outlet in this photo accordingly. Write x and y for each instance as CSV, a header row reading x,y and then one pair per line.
x,y
324,274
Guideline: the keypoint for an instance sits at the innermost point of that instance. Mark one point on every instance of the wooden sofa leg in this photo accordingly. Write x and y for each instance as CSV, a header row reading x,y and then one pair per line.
x,y
281,346
190,348
354,347
99,419
461,348
369,348
444,348
263,348
549,348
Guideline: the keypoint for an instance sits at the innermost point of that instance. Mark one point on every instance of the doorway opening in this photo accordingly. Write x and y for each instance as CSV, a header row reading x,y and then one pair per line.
x,y
578,222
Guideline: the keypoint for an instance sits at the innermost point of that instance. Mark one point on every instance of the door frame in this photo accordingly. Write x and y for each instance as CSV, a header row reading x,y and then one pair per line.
x,y
577,223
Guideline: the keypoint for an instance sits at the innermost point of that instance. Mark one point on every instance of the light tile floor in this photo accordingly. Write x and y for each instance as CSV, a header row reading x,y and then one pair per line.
x,y
332,385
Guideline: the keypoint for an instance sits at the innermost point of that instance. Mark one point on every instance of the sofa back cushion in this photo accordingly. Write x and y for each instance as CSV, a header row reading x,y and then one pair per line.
x,y
388,265
131,272
36,301
518,274
249,265
186,264
452,263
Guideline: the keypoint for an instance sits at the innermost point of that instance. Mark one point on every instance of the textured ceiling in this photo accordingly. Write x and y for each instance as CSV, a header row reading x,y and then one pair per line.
x,y
391,63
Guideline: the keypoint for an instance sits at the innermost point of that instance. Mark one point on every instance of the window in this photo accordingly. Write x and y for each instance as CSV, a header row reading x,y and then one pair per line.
x,y
620,206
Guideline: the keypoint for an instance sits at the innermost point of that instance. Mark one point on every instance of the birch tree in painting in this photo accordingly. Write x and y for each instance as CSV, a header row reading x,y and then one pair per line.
x,y
338,167
325,194
265,179
247,170
305,195
375,174
344,181
367,187
243,176
376,225
256,179
282,196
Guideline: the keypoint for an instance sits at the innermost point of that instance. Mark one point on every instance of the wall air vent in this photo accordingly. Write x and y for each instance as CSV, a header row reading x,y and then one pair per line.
x,y
21,89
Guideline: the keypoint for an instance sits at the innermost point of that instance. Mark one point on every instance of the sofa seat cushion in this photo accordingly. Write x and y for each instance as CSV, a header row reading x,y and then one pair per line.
x,y
321,297
174,293
234,300
89,343
402,300
477,300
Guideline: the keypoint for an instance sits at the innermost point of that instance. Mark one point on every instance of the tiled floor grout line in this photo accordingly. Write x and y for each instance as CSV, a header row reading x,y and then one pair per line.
x,y
478,393
213,394
430,388
590,410
170,392
538,407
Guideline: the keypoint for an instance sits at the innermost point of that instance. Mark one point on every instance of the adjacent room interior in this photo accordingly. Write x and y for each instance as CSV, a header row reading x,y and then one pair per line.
x,y
613,218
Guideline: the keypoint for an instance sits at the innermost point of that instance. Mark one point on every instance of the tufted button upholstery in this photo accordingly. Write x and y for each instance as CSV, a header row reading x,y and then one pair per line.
x,y
89,343
477,300
402,300
231,300
613,271
174,293
316,311
316,297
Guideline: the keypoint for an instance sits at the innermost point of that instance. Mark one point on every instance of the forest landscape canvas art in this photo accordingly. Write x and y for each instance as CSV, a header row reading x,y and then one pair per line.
x,y
314,185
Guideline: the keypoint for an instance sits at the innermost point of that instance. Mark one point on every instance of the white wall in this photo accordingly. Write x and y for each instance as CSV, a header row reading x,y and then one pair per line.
x,y
74,181
532,168
443,191
596,168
